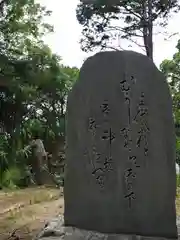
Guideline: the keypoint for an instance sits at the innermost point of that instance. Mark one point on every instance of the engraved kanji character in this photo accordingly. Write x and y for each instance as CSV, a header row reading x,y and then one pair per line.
x,y
133,79
127,138
130,196
105,107
146,150
101,180
142,109
108,135
127,97
92,125
124,85
125,88
108,164
126,91
142,136
133,159
144,124
129,173
99,175
97,155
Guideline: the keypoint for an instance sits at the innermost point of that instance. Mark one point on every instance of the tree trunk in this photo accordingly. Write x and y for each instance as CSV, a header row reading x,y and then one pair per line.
x,y
147,27
150,29
36,168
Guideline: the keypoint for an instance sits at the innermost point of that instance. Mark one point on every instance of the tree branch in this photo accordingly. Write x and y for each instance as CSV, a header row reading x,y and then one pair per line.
x,y
131,12
123,30
2,3
110,47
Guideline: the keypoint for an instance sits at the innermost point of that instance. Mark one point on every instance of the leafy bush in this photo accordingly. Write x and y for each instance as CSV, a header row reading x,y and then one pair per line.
x,y
59,178
178,150
178,180
11,178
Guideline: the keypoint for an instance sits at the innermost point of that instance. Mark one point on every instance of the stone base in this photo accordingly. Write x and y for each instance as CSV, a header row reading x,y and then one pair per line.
x,y
55,230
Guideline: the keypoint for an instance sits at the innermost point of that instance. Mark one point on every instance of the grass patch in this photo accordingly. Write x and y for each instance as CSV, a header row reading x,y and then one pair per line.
x,y
12,201
178,202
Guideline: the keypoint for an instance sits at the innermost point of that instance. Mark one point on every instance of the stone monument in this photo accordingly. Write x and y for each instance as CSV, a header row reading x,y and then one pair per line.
x,y
120,173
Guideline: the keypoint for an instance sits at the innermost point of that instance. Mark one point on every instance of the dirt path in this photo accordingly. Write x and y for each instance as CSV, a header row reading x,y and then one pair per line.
x,y
26,212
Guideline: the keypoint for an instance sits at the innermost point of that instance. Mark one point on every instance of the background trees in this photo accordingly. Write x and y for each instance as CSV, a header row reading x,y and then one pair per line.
x,y
33,89
34,83
105,21
171,68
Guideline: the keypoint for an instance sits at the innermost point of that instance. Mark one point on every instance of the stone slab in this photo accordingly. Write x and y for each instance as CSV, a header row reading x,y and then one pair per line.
x,y
55,230
120,157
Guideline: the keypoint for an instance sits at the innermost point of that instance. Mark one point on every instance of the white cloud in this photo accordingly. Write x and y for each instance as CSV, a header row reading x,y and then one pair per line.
x,y
65,39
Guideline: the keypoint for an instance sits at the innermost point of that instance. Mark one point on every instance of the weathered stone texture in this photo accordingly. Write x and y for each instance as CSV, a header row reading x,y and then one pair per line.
x,y
120,174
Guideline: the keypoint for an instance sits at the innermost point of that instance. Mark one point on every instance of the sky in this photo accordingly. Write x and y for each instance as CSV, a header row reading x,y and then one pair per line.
x,y
67,32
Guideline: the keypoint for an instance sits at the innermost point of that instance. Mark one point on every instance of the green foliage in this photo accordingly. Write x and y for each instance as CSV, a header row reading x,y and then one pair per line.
x,y
178,180
178,150
107,20
21,24
171,69
33,89
11,178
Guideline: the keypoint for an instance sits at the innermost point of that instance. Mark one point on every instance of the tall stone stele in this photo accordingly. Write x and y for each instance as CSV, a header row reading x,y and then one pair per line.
x,y
120,175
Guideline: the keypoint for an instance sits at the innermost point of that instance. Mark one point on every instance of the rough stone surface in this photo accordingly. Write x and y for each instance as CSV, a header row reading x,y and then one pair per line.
x,y
55,230
120,175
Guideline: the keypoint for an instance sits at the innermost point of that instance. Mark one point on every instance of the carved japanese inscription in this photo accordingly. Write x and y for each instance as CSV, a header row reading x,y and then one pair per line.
x,y
120,148
101,165
140,119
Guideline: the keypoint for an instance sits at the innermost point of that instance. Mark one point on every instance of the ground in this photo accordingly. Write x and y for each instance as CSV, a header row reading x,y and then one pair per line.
x,y
26,211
